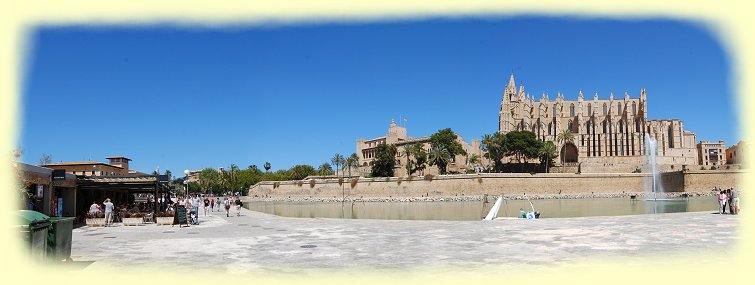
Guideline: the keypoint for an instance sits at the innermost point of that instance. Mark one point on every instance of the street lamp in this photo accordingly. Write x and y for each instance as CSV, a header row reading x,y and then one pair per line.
x,y
186,182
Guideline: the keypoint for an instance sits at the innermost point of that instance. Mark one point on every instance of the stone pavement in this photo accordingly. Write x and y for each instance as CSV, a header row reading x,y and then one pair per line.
x,y
259,243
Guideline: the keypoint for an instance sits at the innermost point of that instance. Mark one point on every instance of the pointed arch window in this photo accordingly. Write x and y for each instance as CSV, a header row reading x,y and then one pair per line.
x,y
634,108
589,109
554,110
569,126
571,110
605,110
604,127
619,109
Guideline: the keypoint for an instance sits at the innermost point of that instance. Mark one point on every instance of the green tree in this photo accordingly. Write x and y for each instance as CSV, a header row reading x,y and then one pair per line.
x,y
473,160
252,167
352,162
523,145
420,158
495,147
209,178
337,160
440,157
267,166
385,160
169,174
445,141
547,153
301,171
325,169
409,163
565,137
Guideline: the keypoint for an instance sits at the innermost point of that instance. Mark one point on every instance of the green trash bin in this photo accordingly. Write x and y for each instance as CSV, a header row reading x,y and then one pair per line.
x,y
59,238
34,229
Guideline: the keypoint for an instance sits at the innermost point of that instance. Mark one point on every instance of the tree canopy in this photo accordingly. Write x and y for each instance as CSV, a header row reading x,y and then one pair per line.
x,y
382,165
445,141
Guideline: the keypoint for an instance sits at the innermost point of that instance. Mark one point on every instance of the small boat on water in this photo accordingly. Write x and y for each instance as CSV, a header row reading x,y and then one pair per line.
x,y
493,214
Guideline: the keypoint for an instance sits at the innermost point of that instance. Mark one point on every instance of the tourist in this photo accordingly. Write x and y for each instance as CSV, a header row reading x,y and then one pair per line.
x,y
734,204
238,206
195,208
227,204
212,205
218,202
108,212
94,209
722,202
522,213
206,205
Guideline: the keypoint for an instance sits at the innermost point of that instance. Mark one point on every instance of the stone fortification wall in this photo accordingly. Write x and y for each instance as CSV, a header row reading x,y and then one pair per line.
x,y
495,184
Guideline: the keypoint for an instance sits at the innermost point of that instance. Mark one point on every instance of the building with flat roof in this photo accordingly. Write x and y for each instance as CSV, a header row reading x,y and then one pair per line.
x,y
116,166
737,153
711,153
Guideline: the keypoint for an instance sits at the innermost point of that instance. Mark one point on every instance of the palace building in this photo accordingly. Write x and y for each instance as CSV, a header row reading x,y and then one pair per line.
x,y
609,134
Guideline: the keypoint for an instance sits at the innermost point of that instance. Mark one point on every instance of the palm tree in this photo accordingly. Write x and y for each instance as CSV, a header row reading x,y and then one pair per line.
x,y
474,160
440,157
267,167
352,161
565,137
337,160
325,169
548,151
233,175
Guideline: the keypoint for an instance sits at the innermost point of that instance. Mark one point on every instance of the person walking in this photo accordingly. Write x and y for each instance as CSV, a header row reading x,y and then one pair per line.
x,y
212,205
218,202
94,209
734,202
206,205
108,212
227,204
238,206
722,202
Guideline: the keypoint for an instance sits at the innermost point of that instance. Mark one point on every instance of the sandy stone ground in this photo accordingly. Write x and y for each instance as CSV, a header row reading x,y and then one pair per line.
x,y
261,243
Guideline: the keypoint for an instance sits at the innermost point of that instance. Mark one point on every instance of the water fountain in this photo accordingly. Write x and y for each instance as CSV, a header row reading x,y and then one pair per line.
x,y
653,184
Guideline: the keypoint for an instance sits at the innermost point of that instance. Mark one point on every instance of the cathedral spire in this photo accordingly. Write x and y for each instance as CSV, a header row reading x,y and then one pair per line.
x,y
511,84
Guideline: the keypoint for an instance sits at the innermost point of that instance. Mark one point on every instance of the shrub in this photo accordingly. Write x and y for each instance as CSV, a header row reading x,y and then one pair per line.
x,y
387,179
98,215
353,182
702,167
340,181
137,215
299,183
312,183
276,185
399,180
479,180
712,167
165,214
429,177
532,173
125,214
637,170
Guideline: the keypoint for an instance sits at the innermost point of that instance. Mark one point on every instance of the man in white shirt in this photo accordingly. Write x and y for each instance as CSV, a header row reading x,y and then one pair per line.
x,y
94,209
108,212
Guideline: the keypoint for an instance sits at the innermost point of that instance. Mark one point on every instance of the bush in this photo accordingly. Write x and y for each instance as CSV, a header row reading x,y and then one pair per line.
x,y
353,182
340,181
165,214
532,173
429,177
637,170
312,183
276,185
299,183
479,180
399,180
98,215
712,167
702,167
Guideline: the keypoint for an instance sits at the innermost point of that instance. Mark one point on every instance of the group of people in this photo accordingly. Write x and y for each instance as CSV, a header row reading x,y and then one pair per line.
x,y
106,207
208,204
728,197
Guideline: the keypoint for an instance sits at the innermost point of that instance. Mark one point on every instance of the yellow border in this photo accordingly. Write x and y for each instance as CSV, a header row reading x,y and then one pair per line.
x,y
729,21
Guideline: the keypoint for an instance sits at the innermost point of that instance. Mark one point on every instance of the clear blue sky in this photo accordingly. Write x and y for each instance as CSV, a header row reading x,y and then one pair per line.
x,y
181,97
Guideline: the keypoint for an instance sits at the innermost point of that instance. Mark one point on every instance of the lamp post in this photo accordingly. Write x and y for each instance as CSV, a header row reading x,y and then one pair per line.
x,y
186,182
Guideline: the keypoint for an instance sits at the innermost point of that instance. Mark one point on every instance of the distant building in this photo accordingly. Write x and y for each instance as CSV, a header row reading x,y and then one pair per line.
x,y
116,166
711,153
396,135
736,154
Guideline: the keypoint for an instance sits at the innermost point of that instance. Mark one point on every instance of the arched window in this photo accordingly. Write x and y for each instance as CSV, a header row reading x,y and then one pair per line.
x,y
634,108
604,127
605,109
621,126
554,110
619,110
569,126
571,110
589,109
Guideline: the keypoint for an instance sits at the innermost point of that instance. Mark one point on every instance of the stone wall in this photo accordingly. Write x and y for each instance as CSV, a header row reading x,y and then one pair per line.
x,y
494,184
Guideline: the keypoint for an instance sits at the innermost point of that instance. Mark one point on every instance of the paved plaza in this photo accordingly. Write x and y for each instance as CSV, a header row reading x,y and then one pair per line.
x,y
260,243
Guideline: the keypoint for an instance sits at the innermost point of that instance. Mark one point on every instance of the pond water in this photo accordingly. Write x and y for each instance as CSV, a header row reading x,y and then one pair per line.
x,y
475,210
